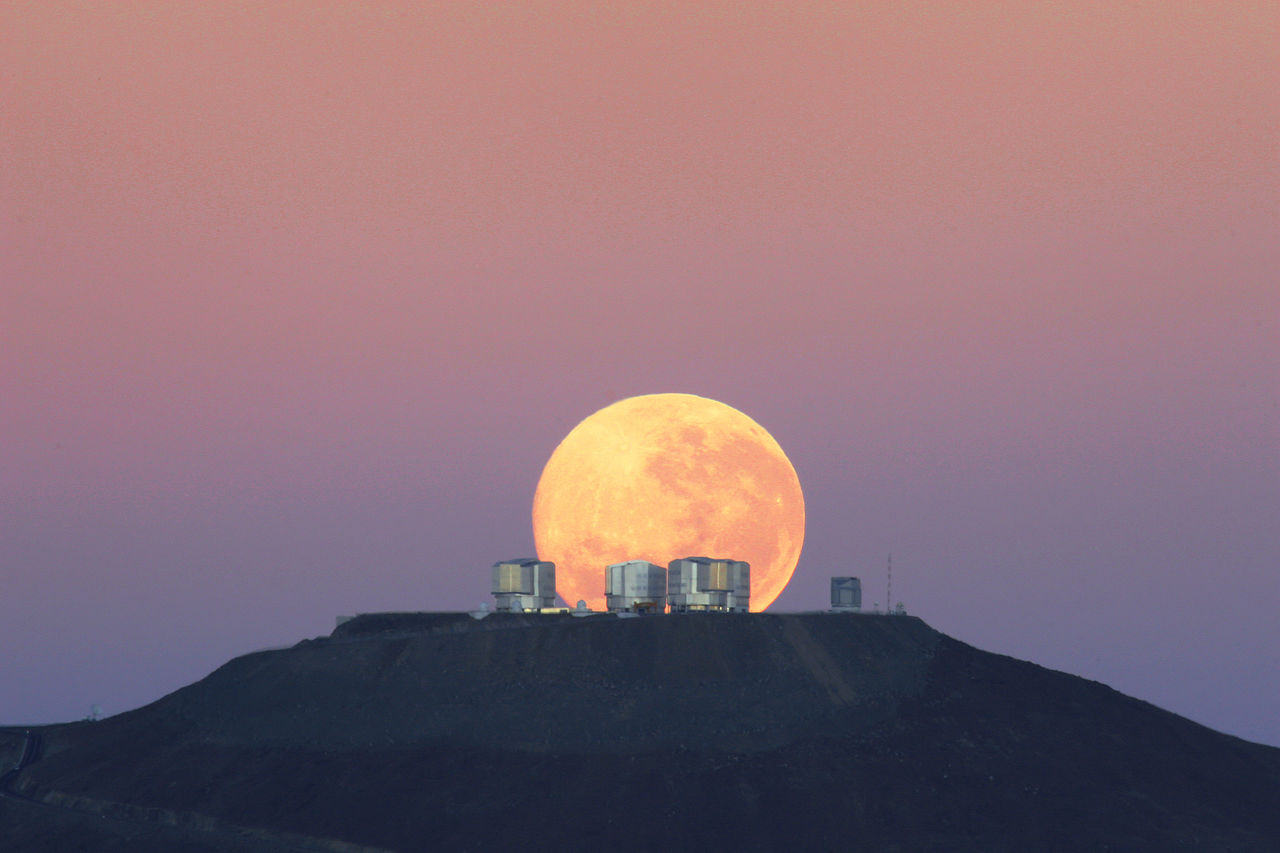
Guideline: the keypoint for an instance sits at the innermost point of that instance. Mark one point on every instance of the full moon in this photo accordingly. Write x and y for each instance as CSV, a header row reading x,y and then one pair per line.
x,y
666,476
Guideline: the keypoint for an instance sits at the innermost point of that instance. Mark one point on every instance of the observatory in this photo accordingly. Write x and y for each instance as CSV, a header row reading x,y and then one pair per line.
x,y
524,585
635,586
846,595
703,583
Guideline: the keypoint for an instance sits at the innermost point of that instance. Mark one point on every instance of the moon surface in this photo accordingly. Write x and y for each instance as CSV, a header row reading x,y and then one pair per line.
x,y
665,476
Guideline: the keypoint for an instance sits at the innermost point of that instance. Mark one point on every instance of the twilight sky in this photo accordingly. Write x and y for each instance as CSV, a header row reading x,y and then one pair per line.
x,y
296,299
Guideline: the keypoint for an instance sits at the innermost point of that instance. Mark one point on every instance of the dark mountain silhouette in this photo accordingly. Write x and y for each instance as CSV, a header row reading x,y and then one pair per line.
x,y
748,732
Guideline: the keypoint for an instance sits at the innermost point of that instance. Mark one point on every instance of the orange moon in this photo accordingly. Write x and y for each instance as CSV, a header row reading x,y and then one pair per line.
x,y
666,476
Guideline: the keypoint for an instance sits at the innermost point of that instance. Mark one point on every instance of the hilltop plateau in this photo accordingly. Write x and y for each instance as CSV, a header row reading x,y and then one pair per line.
x,y
753,732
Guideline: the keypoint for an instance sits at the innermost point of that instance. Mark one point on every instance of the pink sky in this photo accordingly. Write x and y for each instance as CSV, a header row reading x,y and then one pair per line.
x,y
296,300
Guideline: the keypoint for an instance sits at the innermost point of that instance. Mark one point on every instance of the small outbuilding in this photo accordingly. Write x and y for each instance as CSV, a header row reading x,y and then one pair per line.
x,y
846,594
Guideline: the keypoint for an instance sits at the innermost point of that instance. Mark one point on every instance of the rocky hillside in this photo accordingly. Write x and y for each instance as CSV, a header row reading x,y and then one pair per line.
x,y
760,732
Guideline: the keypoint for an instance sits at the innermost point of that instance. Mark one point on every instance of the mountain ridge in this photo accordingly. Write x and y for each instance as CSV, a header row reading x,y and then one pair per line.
x,y
822,731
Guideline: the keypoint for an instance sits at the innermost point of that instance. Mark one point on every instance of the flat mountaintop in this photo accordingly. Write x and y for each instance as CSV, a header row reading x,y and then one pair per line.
x,y
760,731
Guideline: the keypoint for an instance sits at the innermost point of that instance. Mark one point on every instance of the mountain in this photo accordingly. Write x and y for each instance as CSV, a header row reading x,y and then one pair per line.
x,y
748,732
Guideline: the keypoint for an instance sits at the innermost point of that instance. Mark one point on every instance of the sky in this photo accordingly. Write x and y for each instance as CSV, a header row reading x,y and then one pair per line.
x,y
296,300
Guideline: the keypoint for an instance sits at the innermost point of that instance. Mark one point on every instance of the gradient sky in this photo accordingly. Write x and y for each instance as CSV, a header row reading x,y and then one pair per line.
x,y
296,299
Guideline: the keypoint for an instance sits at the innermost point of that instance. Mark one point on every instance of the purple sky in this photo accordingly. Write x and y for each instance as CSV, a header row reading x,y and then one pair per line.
x,y
296,301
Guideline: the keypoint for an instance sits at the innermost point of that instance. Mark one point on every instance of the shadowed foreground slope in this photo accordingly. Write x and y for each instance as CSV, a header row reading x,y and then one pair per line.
x,y
417,731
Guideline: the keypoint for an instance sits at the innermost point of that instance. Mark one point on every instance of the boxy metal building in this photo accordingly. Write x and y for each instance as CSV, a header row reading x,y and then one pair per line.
x,y
846,594
704,583
524,585
635,586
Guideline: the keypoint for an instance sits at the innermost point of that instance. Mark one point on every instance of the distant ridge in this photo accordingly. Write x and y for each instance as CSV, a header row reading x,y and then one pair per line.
x,y
752,732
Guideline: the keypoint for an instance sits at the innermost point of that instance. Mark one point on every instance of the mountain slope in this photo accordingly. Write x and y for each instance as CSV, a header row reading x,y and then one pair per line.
x,y
409,731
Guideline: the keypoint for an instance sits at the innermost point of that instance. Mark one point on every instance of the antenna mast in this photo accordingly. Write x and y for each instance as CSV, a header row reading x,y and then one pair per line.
x,y
888,592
